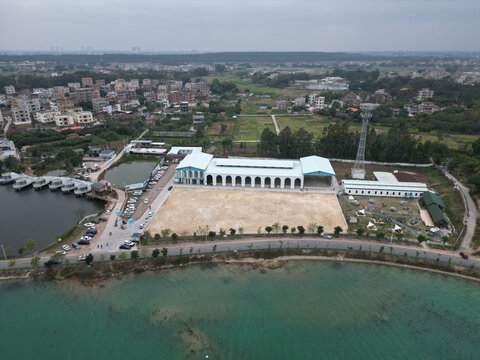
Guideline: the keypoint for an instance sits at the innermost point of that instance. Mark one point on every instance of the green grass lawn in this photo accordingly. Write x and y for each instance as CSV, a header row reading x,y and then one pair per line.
x,y
251,127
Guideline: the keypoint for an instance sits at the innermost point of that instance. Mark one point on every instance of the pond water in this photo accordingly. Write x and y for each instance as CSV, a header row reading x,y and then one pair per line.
x,y
303,310
129,173
40,215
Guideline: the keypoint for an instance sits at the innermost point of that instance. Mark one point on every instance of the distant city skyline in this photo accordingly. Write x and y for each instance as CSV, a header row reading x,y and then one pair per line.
x,y
228,25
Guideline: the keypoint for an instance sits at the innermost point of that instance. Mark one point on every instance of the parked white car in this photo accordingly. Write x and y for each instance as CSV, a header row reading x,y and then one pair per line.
x,y
66,247
89,225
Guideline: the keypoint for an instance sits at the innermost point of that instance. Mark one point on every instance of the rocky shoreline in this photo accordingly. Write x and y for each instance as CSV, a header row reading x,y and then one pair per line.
x,y
97,272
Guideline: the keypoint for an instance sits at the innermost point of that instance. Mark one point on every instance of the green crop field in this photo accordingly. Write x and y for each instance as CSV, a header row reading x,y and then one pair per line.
x,y
311,123
251,127
216,129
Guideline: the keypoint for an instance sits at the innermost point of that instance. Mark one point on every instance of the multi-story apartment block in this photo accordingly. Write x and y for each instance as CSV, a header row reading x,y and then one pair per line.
x,y
425,94
299,101
135,83
21,116
199,87
86,94
3,99
311,99
83,117
174,97
174,85
32,105
9,90
368,106
184,106
64,105
45,117
87,82
98,104
198,118
281,104
74,85
100,83
59,92
64,120
319,102
146,82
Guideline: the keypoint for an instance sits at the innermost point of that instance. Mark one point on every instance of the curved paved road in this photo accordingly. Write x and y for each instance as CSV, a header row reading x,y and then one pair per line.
x,y
287,242
471,213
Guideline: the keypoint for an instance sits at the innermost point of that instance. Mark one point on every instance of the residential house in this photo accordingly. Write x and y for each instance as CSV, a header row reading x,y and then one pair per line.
x,y
299,101
9,90
45,117
198,118
87,82
63,120
83,117
424,94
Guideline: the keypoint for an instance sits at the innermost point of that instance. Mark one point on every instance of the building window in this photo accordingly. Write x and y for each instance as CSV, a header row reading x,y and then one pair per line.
x,y
387,192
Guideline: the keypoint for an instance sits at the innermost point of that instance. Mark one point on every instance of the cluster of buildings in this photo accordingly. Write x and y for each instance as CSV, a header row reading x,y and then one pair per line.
x,y
460,77
427,107
329,83
59,105
47,106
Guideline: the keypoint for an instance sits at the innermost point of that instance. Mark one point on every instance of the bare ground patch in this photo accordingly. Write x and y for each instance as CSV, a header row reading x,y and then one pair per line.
x,y
187,208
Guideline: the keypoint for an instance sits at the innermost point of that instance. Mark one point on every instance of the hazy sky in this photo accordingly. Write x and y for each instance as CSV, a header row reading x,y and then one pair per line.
x,y
236,25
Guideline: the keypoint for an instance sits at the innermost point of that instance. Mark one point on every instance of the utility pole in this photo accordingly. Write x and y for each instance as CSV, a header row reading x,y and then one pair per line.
x,y
5,255
358,169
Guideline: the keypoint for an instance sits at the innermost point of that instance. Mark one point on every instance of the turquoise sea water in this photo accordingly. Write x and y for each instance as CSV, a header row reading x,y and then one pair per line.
x,y
305,310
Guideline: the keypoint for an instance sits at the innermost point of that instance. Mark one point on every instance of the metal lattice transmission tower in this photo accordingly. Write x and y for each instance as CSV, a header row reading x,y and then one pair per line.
x,y
358,169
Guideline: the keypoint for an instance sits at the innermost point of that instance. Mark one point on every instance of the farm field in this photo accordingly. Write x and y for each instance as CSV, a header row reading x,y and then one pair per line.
x,y
216,129
311,123
251,127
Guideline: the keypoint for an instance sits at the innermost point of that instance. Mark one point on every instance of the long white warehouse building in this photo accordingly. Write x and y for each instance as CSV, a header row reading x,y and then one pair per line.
x,y
203,169
386,185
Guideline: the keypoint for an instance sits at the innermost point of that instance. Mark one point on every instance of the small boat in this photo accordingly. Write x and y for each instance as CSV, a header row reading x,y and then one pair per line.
x,y
41,182
57,183
82,188
8,178
23,182
69,186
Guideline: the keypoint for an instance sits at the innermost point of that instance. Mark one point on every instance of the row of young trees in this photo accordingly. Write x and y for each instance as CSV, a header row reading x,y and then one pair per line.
x,y
338,141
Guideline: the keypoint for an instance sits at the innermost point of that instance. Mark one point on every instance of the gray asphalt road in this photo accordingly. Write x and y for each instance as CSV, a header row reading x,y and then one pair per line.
x,y
276,243
471,213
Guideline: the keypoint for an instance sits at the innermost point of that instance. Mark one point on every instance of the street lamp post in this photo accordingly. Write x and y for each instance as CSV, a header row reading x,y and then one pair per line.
x,y
5,255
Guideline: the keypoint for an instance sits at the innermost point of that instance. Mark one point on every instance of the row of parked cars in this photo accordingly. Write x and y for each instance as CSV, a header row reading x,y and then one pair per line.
x,y
157,175
146,220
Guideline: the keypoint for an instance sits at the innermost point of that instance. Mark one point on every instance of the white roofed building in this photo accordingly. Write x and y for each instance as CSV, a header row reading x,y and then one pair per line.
x,y
203,169
386,185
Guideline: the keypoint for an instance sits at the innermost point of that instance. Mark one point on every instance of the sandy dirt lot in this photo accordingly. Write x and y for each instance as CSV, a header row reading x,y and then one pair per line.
x,y
187,208
427,219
